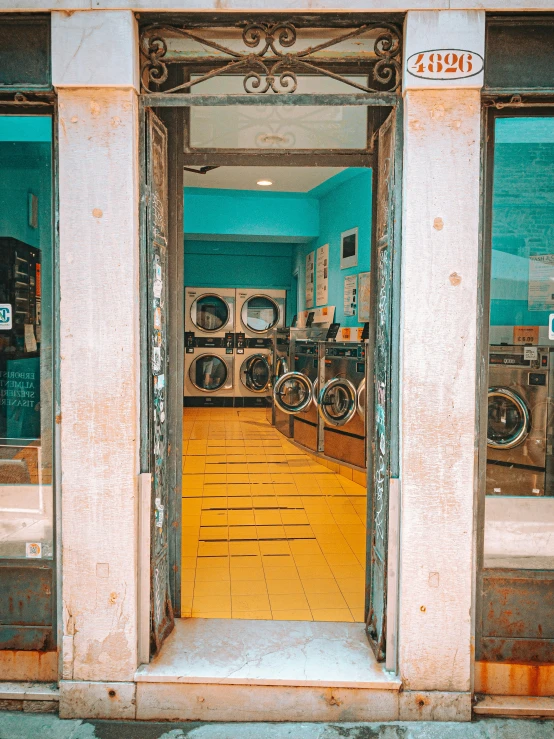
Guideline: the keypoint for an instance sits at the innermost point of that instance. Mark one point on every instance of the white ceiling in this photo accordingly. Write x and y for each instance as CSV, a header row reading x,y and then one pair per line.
x,y
285,179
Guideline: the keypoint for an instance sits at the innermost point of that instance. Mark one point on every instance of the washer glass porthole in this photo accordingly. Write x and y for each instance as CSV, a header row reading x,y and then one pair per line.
x,y
208,373
259,313
509,420
210,312
337,401
256,373
292,392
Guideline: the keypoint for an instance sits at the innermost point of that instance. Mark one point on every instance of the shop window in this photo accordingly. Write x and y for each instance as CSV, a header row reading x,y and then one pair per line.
x,y
26,356
519,470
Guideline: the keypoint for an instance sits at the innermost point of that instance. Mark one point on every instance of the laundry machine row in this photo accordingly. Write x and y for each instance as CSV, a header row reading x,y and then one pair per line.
x,y
324,392
228,345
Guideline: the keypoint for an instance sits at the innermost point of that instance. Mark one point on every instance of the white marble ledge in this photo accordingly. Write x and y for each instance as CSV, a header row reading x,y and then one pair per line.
x,y
29,691
248,652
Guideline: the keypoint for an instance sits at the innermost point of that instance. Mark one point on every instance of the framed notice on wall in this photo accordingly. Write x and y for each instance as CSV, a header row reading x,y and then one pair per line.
x,y
349,248
322,275
310,279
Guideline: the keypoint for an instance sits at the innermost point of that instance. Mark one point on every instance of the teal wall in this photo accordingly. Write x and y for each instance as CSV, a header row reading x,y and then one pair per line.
x,y
236,238
342,206
523,215
244,215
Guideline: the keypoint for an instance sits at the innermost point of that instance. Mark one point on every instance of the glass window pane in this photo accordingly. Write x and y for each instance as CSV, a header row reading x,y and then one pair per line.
x,y
26,381
212,313
260,313
278,127
519,511
208,373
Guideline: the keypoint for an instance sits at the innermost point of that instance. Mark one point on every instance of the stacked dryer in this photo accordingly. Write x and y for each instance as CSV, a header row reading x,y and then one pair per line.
x,y
258,314
209,338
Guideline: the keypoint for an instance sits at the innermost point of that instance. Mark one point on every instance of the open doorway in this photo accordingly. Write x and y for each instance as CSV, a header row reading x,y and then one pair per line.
x,y
225,116
274,514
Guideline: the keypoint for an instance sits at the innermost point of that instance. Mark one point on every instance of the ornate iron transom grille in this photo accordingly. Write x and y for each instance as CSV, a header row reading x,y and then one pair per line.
x,y
269,63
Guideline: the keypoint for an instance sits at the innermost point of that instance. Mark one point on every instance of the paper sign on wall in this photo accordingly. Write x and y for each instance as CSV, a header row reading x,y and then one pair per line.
x,y
350,294
322,274
309,279
541,286
364,292
526,335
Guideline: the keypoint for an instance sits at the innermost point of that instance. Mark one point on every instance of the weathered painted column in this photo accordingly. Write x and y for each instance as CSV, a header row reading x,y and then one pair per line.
x,y
94,55
438,364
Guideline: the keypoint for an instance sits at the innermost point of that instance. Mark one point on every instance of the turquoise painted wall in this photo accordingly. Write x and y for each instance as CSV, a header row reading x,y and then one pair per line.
x,y
523,215
345,203
252,216
240,264
256,239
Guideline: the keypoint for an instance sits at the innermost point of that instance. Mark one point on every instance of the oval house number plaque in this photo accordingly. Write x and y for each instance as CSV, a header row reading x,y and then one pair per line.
x,y
445,64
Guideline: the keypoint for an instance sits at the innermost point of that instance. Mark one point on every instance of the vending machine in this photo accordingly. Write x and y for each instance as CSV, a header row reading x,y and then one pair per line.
x,y
20,338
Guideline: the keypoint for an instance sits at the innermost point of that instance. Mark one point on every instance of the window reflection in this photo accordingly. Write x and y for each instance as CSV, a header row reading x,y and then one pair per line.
x,y
26,515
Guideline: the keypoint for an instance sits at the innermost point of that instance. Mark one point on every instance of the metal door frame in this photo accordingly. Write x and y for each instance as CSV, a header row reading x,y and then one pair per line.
x,y
378,101
495,104
33,101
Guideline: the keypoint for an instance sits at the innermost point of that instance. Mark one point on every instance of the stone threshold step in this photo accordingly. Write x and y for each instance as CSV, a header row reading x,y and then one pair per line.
x,y
29,691
253,652
514,705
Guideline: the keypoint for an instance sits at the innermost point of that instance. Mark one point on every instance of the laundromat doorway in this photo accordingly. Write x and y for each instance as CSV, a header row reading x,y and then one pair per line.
x,y
195,137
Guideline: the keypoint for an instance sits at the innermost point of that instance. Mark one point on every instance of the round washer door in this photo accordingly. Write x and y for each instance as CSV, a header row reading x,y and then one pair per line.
x,y
292,392
361,399
208,373
210,312
255,373
259,314
509,419
337,401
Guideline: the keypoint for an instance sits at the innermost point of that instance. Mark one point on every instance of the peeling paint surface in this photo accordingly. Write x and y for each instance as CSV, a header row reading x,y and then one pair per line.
x,y
99,378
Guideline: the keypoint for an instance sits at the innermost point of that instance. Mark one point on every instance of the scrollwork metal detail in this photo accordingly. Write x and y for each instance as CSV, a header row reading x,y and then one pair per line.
x,y
268,64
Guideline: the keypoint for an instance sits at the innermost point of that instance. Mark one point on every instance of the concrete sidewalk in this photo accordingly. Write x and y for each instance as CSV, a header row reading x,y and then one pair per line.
x,y
17,725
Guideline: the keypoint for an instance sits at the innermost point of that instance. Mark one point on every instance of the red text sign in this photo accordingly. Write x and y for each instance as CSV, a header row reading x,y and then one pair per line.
x,y
445,64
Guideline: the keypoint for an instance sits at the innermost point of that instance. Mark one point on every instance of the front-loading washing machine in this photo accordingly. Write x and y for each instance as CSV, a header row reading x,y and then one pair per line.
x,y
518,413
295,392
253,369
281,365
209,312
341,402
209,378
258,312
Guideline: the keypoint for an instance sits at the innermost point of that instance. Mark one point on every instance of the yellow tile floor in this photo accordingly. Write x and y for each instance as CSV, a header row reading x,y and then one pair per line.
x,y
268,532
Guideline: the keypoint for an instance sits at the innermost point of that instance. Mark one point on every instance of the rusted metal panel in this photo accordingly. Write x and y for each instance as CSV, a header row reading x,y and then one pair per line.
x,y
162,621
516,616
26,606
374,99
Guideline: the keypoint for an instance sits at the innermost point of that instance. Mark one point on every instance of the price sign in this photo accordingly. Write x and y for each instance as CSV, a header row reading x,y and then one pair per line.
x,y
445,64
526,335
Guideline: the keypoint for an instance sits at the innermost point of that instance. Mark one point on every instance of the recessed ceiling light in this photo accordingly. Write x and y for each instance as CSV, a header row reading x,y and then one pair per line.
x,y
264,183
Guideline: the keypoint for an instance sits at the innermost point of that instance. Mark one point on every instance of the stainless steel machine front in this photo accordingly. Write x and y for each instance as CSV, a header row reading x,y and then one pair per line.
x,y
341,402
518,412
281,365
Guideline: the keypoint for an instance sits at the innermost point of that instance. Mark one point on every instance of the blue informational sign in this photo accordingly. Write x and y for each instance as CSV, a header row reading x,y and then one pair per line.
x,y
551,326
6,316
